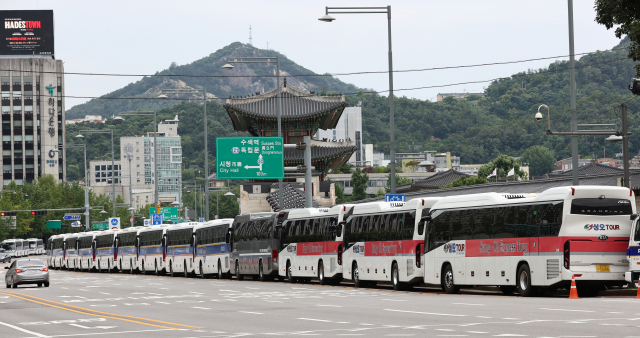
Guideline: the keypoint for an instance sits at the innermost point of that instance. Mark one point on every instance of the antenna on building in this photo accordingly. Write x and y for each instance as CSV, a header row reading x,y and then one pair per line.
x,y
250,38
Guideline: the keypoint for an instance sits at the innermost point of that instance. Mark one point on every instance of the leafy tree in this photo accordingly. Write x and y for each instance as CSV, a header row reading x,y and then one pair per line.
x,y
345,168
359,181
504,164
464,181
541,160
625,15
399,181
340,194
380,193
411,164
381,170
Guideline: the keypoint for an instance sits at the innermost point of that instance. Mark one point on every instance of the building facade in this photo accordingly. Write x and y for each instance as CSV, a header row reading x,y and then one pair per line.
x,y
349,128
33,112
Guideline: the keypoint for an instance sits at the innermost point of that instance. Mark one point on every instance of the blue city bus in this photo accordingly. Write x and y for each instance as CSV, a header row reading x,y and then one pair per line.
x,y
71,251
105,257
180,251
56,251
87,250
213,247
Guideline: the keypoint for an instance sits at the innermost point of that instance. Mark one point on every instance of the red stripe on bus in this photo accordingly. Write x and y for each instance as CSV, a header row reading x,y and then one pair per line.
x,y
316,248
390,248
534,245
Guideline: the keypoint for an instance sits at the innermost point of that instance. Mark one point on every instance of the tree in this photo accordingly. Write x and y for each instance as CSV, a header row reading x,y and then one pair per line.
x,y
411,164
626,15
464,181
340,194
380,193
346,168
399,181
504,164
381,170
541,160
359,181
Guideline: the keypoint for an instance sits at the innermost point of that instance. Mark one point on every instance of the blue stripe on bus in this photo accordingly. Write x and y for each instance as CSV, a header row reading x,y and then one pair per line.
x,y
105,252
153,250
71,252
85,252
633,251
58,252
214,249
179,250
127,251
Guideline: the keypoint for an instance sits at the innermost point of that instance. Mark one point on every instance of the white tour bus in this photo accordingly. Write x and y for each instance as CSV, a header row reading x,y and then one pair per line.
x,y
179,247
105,258
312,244
127,249
633,252
71,251
531,243
56,251
213,247
152,249
12,247
33,246
87,250
22,247
385,242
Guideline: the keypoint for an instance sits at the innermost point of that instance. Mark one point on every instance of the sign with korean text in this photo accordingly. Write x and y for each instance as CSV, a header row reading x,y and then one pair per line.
x,y
250,157
25,32
170,213
100,226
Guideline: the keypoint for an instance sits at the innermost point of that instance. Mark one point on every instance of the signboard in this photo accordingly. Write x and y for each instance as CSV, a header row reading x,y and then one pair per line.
x,y
156,219
72,217
114,223
170,213
76,224
54,224
26,32
100,226
250,157
131,219
394,197
147,222
9,222
201,219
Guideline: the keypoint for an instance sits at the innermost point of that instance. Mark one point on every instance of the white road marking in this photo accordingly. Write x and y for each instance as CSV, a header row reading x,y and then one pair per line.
x,y
395,300
253,313
94,327
510,335
444,330
468,304
202,308
23,330
511,318
328,305
103,305
162,302
480,332
485,317
568,310
427,313
317,320
229,290
102,333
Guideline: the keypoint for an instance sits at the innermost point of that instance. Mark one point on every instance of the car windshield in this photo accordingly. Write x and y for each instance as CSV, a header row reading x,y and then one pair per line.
x,y
30,263
8,246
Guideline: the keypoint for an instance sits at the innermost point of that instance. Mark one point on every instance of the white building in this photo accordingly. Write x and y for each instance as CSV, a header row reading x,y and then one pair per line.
x,y
349,128
87,118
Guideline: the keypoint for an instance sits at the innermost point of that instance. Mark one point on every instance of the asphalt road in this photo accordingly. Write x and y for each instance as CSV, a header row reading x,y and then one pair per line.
x,y
121,305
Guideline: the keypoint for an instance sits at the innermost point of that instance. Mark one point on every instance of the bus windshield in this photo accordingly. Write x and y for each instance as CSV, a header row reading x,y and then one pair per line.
x,y
32,245
9,246
601,206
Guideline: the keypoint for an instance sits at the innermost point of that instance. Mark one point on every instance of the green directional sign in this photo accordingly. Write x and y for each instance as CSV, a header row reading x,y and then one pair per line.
x,y
250,157
170,213
99,226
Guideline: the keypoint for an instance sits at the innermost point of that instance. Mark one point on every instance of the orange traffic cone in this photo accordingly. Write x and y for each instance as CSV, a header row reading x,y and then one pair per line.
x,y
574,291
638,295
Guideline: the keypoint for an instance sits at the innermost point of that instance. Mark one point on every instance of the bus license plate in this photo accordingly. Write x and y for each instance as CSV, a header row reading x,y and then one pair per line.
x,y
602,267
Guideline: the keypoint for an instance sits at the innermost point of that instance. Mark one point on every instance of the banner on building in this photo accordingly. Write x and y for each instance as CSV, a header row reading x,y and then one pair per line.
x,y
26,32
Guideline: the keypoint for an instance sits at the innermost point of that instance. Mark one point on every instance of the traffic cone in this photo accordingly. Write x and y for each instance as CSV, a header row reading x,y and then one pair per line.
x,y
638,295
574,291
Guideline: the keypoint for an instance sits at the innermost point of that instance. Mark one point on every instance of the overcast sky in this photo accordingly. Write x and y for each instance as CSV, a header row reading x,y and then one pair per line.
x,y
142,37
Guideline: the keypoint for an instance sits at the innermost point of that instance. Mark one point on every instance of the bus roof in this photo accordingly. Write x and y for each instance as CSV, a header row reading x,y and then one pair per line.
x,y
376,207
312,212
215,222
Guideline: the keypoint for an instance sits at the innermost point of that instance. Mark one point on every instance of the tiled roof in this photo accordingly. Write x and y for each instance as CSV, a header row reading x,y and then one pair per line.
x,y
592,169
323,158
292,197
439,180
522,187
295,104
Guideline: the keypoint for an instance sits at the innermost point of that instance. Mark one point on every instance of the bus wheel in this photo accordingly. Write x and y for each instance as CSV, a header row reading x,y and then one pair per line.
x,y
447,281
186,273
321,278
507,289
201,271
143,269
239,276
524,282
355,275
220,276
395,278
130,267
171,269
157,271
108,267
290,277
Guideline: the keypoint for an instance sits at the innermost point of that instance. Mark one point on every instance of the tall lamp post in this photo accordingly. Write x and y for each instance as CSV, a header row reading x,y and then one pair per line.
x,y
155,146
202,91
113,166
229,66
376,10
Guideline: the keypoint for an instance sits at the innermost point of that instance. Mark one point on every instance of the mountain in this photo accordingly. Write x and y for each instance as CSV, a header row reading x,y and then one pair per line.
x,y
217,87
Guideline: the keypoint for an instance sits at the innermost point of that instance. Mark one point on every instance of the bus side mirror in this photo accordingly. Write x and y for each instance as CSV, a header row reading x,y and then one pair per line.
x,y
633,216
425,218
340,225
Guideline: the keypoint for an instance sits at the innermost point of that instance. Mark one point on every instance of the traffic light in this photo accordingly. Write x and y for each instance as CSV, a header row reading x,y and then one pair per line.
x,y
634,87
38,212
7,213
158,209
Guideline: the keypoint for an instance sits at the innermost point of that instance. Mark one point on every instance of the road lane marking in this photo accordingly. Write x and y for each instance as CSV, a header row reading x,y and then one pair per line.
x,y
568,310
105,333
427,313
469,304
93,327
24,330
329,305
317,320
253,313
202,308
88,311
395,300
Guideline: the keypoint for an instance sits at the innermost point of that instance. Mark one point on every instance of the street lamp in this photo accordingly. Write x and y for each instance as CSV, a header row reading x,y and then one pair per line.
x,y
155,148
113,166
376,10
202,91
278,103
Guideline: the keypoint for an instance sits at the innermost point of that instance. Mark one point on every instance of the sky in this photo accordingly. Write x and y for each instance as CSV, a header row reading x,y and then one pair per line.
x,y
142,37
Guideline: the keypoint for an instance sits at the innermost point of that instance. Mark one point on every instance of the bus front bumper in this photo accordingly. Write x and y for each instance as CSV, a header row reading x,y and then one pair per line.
x,y
631,276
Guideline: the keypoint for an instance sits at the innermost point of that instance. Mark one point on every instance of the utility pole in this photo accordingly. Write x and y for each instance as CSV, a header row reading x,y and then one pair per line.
x,y
308,196
625,147
572,84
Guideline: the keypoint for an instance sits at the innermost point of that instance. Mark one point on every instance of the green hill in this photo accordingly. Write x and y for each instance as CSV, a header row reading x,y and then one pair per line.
x,y
152,86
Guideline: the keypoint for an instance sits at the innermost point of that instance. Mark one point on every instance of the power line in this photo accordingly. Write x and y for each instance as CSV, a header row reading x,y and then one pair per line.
x,y
315,75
